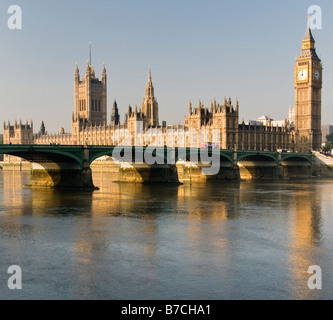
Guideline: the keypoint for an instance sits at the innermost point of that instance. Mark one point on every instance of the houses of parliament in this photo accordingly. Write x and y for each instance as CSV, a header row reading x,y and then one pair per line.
x,y
217,124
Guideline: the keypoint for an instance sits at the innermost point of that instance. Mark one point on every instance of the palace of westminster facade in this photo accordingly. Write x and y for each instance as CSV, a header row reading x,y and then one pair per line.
x,y
218,125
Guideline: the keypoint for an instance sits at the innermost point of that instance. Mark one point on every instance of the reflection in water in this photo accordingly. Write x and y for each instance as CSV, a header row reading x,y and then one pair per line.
x,y
202,241
305,236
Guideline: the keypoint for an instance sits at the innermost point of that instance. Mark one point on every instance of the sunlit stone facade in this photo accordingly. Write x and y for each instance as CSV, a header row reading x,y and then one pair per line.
x,y
217,126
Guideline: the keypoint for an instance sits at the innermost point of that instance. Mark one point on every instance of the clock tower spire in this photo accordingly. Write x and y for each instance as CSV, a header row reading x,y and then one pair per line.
x,y
308,85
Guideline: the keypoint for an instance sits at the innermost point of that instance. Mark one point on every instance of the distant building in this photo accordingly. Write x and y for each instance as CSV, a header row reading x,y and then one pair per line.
x,y
326,130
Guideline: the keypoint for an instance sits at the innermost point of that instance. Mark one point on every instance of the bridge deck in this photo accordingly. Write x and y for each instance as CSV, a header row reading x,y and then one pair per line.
x,y
76,152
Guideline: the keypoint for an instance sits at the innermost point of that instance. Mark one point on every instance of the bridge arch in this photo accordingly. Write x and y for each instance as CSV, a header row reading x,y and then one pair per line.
x,y
129,154
195,154
95,156
41,155
54,166
257,157
300,158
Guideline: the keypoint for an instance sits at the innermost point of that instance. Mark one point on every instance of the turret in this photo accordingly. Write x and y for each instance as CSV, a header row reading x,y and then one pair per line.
x,y
199,106
115,114
190,108
42,128
103,75
76,74
88,70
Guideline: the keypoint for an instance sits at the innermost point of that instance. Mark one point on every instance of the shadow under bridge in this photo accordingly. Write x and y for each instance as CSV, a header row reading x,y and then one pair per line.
x,y
54,166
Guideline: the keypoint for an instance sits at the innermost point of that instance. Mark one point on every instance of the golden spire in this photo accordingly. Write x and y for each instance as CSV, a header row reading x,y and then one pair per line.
x,y
149,88
308,40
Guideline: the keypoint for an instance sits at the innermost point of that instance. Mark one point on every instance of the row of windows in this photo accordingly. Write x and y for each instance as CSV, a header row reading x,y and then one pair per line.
x,y
264,139
83,106
229,123
95,105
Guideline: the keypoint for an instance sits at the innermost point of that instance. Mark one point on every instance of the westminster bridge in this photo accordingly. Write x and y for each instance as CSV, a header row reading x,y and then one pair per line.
x,y
61,166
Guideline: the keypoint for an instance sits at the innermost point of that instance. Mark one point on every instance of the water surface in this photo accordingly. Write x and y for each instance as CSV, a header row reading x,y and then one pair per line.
x,y
227,240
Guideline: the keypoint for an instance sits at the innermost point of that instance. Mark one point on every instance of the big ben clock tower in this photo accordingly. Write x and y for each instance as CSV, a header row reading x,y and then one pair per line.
x,y
308,85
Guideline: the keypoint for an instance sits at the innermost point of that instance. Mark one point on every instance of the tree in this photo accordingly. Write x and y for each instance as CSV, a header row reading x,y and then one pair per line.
x,y
329,143
328,146
329,137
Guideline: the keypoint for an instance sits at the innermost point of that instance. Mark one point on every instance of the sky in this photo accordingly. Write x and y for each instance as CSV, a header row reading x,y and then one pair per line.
x,y
197,49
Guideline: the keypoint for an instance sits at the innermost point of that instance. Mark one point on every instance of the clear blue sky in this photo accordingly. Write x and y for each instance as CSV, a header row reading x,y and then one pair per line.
x,y
197,49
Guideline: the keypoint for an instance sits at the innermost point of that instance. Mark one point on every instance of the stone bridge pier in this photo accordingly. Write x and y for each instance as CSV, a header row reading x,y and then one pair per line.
x,y
55,166
62,174
189,171
145,173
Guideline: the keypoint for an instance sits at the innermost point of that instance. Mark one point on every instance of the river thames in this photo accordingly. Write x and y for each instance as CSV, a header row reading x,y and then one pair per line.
x,y
226,240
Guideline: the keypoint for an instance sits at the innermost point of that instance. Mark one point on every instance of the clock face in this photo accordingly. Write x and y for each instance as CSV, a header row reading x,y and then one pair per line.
x,y
303,74
317,75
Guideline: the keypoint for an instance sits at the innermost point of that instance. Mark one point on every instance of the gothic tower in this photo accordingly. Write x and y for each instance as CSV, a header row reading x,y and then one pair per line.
x,y
308,85
90,93
150,105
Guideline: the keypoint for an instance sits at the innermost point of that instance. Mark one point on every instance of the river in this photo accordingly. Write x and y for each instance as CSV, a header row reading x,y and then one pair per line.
x,y
226,240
